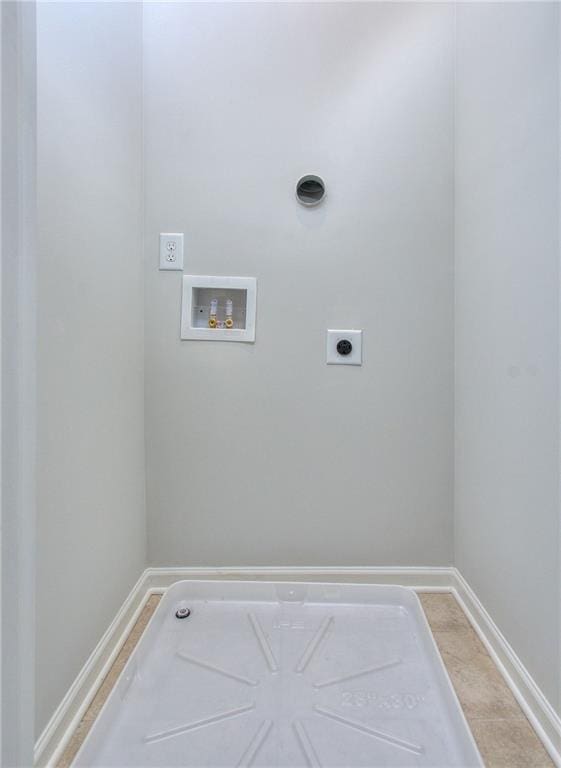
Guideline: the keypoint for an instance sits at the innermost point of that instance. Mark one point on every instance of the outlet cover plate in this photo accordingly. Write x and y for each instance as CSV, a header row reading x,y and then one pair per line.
x,y
171,251
354,357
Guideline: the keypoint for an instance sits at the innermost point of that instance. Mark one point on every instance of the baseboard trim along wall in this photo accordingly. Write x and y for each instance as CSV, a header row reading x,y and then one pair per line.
x,y
534,704
54,738
66,718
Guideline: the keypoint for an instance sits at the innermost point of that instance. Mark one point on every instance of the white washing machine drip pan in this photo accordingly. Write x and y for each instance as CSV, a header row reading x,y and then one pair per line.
x,y
283,674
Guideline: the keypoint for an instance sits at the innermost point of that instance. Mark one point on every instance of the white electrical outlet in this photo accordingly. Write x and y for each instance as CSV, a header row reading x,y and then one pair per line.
x,y
171,251
344,347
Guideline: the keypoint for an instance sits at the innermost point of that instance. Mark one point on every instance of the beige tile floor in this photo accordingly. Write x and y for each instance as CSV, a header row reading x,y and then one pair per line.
x,y
503,734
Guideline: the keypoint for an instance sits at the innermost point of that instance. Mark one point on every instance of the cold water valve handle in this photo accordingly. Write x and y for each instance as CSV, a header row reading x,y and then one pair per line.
x,y
229,309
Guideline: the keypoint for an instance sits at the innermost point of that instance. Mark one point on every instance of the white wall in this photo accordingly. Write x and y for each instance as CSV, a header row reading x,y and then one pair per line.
x,y
309,464
91,535
507,314
18,364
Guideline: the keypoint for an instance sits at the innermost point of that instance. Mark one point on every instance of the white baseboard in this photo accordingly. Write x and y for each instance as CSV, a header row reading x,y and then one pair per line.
x,y
54,738
60,728
420,578
536,707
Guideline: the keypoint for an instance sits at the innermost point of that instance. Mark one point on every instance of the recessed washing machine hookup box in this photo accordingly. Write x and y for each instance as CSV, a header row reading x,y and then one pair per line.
x,y
218,308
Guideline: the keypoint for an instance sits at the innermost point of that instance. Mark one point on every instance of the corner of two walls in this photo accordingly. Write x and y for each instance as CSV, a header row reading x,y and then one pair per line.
x,y
91,524
507,323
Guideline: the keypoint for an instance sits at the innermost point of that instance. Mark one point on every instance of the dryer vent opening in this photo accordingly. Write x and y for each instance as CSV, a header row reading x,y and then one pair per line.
x,y
310,190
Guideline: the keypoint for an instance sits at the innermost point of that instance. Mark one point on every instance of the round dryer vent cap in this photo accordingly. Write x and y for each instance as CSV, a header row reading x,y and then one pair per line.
x,y
310,190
